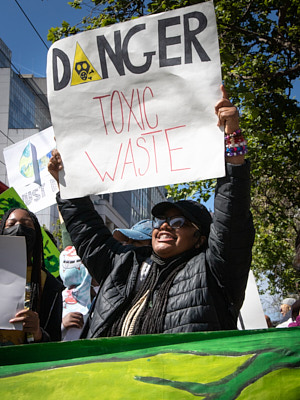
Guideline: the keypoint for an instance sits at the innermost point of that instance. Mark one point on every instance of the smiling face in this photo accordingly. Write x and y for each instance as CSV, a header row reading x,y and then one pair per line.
x,y
168,242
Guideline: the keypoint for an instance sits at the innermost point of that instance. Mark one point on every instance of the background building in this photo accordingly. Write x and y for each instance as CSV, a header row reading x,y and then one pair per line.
x,y
24,112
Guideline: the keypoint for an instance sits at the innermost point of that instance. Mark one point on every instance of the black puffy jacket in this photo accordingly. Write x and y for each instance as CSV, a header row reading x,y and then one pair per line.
x,y
206,294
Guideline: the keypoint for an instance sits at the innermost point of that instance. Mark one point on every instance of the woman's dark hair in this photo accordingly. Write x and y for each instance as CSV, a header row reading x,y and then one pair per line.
x,y
37,255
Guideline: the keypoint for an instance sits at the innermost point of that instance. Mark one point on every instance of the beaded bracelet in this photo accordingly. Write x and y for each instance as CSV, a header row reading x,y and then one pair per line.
x,y
238,132
238,142
235,144
236,151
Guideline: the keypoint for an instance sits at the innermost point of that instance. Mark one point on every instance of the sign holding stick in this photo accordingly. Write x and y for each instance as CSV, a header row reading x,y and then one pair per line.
x,y
132,104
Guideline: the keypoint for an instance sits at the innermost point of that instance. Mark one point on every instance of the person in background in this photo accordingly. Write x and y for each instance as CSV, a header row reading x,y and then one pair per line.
x,y
42,321
285,310
78,288
295,310
76,295
139,234
199,267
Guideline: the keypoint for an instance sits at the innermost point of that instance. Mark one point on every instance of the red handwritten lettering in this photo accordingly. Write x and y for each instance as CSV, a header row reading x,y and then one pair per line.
x,y
130,162
106,174
154,146
147,152
115,108
175,149
130,106
102,112
145,112
129,150
123,110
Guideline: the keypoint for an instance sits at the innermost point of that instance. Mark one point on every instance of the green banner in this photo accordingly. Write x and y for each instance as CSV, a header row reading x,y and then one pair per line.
x,y
10,199
261,364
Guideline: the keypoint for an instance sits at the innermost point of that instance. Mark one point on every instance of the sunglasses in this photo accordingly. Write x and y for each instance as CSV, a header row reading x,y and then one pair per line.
x,y
173,222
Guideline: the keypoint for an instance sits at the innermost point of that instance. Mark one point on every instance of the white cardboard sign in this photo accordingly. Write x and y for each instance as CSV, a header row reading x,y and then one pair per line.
x,y
12,279
132,104
252,314
26,164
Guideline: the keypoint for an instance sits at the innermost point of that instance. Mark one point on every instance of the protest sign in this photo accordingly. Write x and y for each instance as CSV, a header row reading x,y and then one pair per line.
x,y
132,104
252,314
226,365
26,163
10,199
13,266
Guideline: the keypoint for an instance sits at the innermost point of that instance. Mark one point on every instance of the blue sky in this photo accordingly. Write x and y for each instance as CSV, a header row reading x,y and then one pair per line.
x,y
29,54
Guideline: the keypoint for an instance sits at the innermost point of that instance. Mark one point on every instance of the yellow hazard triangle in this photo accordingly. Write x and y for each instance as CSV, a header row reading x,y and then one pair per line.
x,y
83,70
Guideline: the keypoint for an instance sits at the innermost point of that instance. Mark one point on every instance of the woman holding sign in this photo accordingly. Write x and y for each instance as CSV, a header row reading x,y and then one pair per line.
x,y
195,277
42,313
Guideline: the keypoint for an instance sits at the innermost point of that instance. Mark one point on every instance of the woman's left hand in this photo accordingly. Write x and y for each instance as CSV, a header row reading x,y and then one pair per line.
x,y
30,321
228,115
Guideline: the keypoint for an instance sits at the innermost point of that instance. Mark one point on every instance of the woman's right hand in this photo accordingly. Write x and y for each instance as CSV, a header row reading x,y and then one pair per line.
x,y
30,321
55,165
